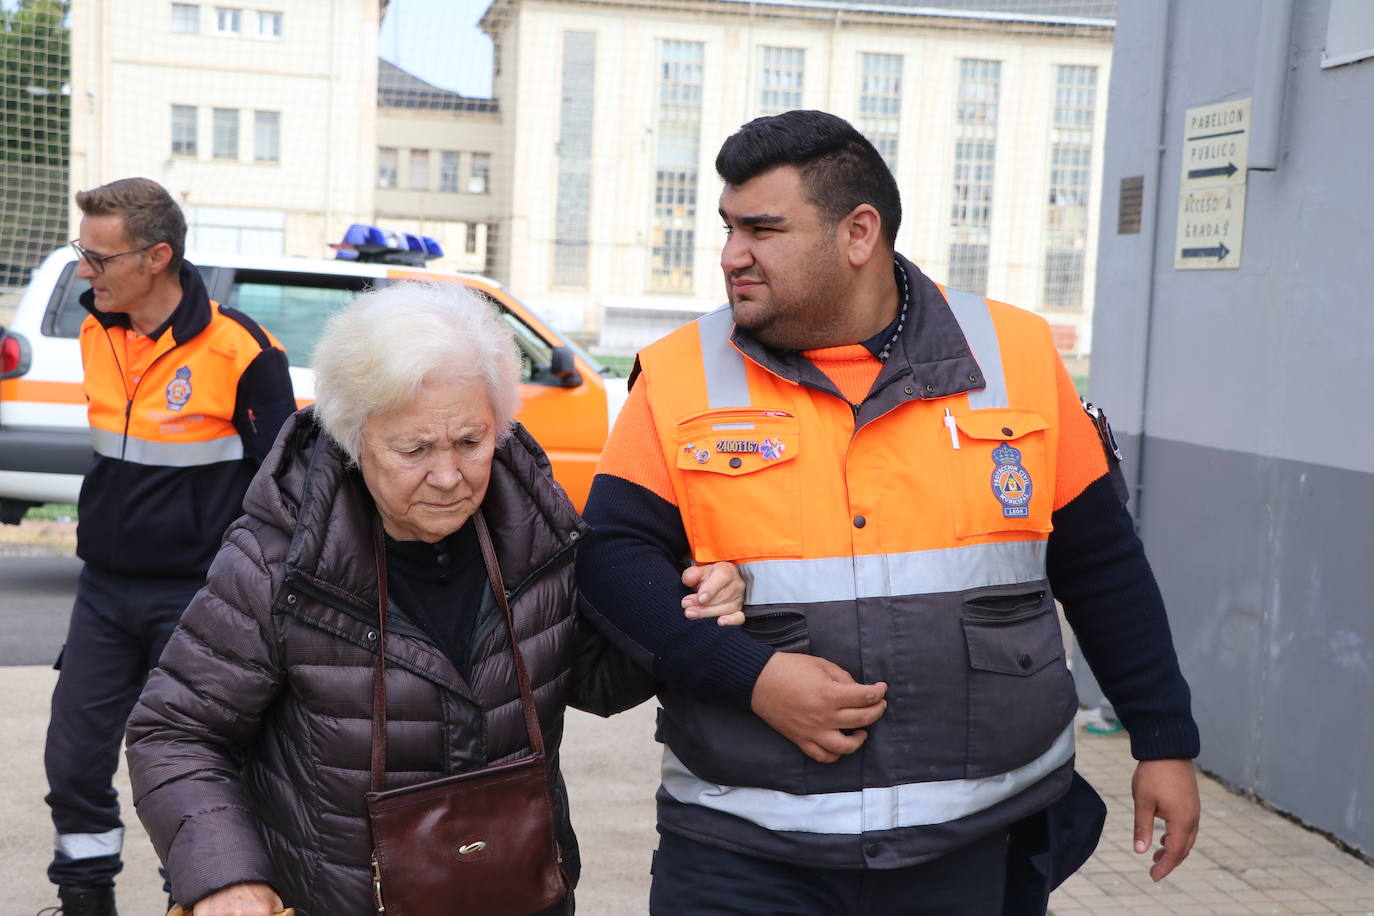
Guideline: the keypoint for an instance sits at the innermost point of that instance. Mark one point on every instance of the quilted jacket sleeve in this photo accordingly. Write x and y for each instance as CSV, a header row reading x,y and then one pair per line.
x,y
198,716
604,679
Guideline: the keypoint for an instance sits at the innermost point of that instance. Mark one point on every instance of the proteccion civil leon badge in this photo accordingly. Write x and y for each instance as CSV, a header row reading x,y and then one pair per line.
x,y
179,389
1011,483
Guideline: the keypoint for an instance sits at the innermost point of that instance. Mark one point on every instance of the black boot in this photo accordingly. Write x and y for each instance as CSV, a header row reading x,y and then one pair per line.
x,y
87,901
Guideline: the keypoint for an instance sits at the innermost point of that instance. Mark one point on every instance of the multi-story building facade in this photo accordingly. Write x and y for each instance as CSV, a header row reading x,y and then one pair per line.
x,y
260,120
614,110
435,150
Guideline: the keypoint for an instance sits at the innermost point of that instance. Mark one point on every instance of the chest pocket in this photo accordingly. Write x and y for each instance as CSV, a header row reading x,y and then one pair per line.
x,y
999,476
739,473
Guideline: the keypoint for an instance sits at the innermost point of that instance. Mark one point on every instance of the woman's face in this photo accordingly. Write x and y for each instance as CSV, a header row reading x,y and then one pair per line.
x,y
428,462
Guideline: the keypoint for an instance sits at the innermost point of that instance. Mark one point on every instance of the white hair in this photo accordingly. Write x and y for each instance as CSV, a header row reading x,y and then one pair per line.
x,y
374,355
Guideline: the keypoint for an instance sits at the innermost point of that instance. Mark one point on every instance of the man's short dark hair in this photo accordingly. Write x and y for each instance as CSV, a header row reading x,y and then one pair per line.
x,y
840,169
150,214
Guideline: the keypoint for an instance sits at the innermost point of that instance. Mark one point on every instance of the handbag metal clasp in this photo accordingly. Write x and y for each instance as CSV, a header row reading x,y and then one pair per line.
x,y
468,849
377,884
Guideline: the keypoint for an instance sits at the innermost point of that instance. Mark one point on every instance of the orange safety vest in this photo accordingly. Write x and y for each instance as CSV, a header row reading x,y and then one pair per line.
x,y
169,470
904,540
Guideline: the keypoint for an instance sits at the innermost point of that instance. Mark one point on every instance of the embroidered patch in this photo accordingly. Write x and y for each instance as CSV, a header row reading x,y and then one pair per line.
x,y
737,446
1011,483
179,389
771,449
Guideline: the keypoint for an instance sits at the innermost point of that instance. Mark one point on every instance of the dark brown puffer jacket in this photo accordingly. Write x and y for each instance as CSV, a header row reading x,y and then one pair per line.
x,y
249,747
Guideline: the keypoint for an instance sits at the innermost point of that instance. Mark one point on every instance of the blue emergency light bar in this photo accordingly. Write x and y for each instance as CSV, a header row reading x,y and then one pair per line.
x,y
380,246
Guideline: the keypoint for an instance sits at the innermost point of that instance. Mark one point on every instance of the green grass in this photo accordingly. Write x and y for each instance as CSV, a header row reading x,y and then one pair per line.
x,y
621,364
52,512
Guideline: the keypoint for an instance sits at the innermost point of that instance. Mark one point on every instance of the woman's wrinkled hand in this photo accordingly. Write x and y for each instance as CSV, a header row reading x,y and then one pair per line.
x,y
247,899
719,593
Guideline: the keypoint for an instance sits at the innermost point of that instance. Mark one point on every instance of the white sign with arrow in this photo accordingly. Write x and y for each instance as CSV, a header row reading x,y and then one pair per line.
x,y
1211,200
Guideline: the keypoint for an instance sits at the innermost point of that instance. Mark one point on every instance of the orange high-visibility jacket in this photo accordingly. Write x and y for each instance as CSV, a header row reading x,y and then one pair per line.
x,y
905,540
176,447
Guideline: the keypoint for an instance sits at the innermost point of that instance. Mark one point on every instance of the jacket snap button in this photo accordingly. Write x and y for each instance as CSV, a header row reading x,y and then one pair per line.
x,y
735,462
930,389
973,378
860,521
872,850
290,599
1006,431
908,389
371,635
1024,661
574,535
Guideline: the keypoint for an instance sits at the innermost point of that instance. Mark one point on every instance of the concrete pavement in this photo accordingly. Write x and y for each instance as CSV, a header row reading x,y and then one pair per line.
x,y
1248,860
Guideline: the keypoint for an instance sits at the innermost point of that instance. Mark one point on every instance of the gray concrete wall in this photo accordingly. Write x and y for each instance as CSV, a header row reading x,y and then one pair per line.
x,y
1245,399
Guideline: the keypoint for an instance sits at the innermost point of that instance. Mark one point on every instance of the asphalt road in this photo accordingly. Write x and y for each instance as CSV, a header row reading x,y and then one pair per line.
x,y
36,591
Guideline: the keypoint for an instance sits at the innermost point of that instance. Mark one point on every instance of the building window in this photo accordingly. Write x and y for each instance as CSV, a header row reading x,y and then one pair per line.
x,y
673,244
185,18
183,130
1066,215
880,103
570,244
470,241
386,167
267,136
975,155
419,169
269,24
479,181
448,170
226,134
228,20
781,79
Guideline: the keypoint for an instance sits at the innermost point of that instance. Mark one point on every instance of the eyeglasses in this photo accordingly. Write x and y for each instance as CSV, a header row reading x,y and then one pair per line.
x,y
97,261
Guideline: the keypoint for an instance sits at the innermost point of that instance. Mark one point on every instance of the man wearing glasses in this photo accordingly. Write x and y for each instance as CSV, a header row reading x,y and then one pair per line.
x,y
185,398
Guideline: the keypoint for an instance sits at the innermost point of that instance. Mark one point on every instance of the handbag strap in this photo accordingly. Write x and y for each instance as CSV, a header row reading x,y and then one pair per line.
x,y
536,734
522,677
379,671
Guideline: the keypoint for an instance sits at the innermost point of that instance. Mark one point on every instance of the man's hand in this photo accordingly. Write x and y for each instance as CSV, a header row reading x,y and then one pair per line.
x,y
719,593
1165,789
247,899
816,705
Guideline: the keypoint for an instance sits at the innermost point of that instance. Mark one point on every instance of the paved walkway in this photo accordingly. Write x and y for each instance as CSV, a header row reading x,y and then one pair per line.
x,y
1247,858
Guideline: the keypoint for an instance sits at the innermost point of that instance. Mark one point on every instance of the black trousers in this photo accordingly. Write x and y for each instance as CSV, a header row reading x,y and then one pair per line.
x,y
118,628
694,879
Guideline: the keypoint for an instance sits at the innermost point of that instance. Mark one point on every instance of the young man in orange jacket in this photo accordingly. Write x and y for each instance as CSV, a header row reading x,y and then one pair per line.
x,y
907,480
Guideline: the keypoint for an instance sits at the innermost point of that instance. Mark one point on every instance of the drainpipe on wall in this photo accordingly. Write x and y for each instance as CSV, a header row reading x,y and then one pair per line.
x,y
1271,83
1159,86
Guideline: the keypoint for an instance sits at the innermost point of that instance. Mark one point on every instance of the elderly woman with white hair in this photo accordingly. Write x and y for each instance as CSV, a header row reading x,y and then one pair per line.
x,y
249,749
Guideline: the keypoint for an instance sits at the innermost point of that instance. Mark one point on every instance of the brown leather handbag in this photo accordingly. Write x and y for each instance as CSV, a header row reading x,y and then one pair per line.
x,y
480,842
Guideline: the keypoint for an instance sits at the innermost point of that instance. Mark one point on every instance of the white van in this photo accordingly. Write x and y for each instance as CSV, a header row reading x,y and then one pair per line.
x,y
568,400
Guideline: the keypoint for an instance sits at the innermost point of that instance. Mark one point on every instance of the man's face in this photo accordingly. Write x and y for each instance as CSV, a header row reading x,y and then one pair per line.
x,y
784,270
127,280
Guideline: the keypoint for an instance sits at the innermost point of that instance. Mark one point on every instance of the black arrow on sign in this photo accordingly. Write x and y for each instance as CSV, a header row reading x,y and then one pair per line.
x,y
1220,252
1228,170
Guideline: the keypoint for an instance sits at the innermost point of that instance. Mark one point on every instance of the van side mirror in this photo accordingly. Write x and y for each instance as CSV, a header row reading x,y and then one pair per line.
x,y
564,367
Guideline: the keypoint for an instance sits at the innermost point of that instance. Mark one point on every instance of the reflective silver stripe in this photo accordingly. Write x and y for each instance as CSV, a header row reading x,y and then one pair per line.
x,y
90,845
911,805
726,383
975,320
920,572
167,454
